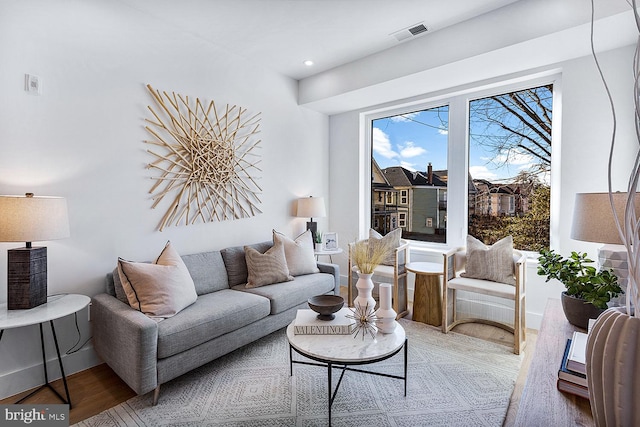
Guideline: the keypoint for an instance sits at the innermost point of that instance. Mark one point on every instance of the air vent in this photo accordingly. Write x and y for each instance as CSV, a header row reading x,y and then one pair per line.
x,y
409,32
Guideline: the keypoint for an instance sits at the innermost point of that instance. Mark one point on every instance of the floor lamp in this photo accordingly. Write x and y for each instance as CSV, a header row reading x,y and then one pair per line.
x,y
26,219
593,221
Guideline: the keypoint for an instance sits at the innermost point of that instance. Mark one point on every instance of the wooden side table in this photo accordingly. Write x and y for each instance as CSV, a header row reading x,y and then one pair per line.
x,y
427,296
56,307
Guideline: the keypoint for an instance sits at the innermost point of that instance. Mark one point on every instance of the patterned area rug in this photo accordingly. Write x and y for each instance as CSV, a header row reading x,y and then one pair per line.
x,y
454,380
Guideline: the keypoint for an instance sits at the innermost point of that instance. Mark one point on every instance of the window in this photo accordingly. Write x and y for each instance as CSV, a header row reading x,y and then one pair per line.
x,y
402,220
410,149
510,162
477,162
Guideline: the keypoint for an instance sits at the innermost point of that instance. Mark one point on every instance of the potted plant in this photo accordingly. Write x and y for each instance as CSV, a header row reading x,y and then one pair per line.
x,y
587,290
317,237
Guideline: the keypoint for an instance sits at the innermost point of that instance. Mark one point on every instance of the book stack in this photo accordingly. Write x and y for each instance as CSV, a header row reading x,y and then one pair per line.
x,y
307,323
572,375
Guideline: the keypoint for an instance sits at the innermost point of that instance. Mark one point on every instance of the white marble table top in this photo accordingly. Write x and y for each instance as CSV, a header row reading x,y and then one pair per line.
x,y
425,267
328,251
57,306
346,348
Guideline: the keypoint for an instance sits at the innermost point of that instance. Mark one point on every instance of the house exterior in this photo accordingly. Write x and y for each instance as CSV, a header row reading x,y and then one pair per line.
x,y
496,199
422,202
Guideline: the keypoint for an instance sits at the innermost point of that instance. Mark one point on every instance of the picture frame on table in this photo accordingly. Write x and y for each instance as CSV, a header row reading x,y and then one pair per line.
x,y
329,241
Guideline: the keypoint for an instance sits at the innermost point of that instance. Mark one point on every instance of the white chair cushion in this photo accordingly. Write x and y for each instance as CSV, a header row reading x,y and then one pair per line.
x,y
485,287
383,270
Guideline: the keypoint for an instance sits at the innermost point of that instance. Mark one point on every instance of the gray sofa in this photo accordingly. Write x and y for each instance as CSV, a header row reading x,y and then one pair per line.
x,y
226,316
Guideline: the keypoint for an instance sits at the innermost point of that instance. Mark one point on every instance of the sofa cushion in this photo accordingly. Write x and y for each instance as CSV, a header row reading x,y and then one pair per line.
x,y
236,264
159,290
208,271
299,253
212,315
267,268
286,295
118,290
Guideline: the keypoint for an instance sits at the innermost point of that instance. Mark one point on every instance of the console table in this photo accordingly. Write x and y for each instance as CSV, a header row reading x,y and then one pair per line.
x,y
541,403
56,307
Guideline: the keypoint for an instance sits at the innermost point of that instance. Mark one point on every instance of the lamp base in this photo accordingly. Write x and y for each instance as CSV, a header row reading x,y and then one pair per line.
x,y
614,257
313,227
27,278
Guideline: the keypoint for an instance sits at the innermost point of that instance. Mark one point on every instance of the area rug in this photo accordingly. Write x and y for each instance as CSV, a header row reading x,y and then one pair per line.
x,y
453,380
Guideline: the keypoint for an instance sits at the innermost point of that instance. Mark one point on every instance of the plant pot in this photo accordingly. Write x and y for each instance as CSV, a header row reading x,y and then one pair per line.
x,y
578,311
613,373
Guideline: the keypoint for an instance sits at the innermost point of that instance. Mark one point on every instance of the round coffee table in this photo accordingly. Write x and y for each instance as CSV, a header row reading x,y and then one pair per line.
x,y
345,350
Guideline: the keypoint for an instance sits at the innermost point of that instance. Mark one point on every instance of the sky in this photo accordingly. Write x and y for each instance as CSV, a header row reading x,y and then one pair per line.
x,y
415,139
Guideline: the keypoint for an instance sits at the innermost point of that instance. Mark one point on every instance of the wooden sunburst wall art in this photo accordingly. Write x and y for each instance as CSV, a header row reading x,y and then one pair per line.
x,y
208,160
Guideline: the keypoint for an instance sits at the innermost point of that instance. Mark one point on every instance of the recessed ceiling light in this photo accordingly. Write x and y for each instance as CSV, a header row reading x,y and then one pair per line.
x,y
308,63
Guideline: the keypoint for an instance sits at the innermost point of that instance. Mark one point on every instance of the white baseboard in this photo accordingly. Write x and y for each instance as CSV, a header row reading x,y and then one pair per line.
x,y
15,382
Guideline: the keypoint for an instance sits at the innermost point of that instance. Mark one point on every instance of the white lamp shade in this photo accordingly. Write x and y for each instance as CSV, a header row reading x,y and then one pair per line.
x,y
311,207
31,218
593,217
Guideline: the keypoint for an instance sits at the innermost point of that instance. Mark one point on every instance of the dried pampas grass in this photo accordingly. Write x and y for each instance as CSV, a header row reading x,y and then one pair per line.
x,y
367,254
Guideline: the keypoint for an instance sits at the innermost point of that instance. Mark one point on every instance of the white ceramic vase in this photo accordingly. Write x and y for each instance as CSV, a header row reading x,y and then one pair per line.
x,y
365,287
613,374
386,314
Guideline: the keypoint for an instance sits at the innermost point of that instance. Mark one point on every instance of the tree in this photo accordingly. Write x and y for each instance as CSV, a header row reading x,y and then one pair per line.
x,y
515,124
511,128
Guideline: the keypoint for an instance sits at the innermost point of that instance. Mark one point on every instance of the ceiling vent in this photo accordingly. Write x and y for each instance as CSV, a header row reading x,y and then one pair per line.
x,y
409,32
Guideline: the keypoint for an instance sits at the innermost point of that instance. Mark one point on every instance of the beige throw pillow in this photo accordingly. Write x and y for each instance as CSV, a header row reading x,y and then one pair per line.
x,y
160,289
391,240
267,268
299,253
494,263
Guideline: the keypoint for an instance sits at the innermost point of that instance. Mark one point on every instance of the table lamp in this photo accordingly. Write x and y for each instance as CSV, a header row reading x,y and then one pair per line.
x,y
593,222
311,207
30,218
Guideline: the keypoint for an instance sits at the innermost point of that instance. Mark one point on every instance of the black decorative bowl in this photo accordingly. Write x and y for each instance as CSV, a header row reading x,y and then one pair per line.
x,y
326,305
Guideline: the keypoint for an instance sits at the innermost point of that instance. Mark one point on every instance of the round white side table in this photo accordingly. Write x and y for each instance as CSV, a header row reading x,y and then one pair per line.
x,y
56,307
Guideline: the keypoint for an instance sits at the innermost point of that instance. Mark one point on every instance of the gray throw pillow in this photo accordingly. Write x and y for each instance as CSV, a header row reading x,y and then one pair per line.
x,y
494,263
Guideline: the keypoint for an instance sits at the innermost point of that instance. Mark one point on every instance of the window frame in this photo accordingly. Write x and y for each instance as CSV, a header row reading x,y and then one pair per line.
x,y
458,149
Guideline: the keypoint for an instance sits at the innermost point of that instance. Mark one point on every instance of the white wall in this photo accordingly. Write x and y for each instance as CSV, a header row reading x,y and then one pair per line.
x,y
580,159
82,139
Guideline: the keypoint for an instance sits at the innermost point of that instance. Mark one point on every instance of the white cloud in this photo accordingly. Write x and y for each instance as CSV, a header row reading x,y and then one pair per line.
x,y
408,166
382,145
410,150
481,172
513,158
404,117
443,131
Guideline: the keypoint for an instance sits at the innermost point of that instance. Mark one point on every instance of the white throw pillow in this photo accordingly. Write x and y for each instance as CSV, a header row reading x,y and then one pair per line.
x,y
160,289
390,241
298,253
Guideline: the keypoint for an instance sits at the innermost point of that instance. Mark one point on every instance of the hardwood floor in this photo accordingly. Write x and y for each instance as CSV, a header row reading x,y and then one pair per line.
x,y
99,388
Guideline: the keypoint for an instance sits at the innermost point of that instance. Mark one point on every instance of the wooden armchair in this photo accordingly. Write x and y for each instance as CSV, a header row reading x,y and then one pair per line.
x,y
395,274
454,265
